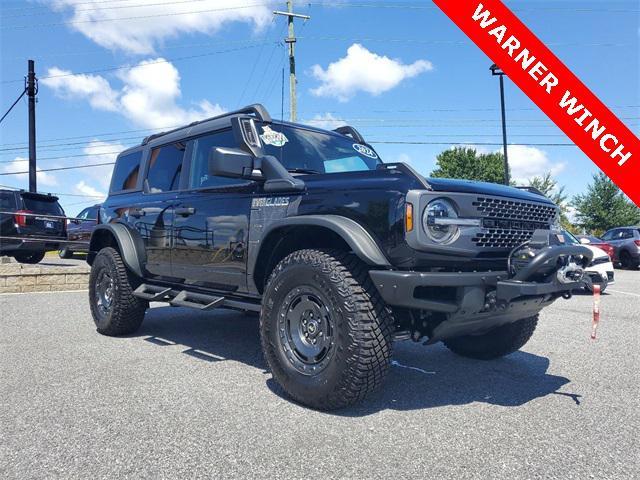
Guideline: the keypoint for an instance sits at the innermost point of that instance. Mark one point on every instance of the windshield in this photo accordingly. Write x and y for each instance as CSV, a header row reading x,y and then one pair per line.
x,y
310,151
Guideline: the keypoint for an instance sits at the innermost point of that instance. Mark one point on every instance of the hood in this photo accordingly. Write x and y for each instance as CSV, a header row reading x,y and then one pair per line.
x,y
469,186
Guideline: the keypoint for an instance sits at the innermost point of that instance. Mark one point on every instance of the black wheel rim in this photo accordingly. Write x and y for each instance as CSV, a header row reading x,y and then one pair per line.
x,y
104,292
306,330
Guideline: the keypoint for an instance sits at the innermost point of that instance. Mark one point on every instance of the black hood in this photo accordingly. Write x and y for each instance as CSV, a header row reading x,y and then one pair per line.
x,y
468,186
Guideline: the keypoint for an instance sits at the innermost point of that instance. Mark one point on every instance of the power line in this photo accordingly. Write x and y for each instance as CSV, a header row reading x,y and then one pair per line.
x,y
61,168
13,105
57,194
155,62
141,17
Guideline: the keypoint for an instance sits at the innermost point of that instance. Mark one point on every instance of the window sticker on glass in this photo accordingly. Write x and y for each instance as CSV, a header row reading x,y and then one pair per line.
x,y
364,150
270,137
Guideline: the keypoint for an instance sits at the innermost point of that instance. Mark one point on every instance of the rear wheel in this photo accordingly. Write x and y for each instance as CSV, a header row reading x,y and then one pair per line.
x,y
29,257
65,253
325,332
496,343
115,310
627,261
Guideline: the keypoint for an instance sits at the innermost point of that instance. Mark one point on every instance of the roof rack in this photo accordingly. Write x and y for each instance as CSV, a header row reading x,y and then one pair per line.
x,y
257,109
350,131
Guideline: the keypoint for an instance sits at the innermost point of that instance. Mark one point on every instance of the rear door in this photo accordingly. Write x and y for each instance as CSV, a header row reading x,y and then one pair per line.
x,y
152,215
211,221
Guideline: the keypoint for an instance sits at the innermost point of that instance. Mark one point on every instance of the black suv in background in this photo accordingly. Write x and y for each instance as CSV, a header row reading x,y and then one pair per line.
x,y
79,230
338,251
30,225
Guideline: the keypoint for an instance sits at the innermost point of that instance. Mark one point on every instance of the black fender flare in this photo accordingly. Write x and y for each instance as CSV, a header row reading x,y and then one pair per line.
x,y
129,243
356,236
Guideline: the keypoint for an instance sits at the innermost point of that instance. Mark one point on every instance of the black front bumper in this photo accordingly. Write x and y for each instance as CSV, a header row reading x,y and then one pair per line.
x,y
474,302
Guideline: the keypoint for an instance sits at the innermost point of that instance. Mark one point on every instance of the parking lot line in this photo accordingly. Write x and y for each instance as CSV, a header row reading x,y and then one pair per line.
x,y
625,293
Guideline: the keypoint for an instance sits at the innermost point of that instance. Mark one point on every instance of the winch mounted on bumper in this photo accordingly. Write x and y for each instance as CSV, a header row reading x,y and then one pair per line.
x,y
475,302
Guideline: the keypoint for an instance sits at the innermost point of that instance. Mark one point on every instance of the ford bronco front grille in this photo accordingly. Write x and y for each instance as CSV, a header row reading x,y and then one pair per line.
x,y
509,223
512,209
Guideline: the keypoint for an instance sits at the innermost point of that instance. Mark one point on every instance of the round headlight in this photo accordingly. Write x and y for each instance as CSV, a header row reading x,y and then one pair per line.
x,y
434,221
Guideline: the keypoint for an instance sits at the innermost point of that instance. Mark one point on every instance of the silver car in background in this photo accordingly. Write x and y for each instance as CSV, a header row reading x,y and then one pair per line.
x,y
626,244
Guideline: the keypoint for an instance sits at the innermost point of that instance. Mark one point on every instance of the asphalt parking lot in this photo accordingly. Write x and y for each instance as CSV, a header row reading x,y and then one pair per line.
x,y
188,396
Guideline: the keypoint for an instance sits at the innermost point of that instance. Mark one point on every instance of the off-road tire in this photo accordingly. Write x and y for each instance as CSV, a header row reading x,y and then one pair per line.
x,y
497,343
362,328
126,311
29,257
65,253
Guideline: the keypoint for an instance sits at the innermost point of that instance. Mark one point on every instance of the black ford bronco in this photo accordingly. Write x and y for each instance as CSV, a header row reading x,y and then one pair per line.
x,y
339,252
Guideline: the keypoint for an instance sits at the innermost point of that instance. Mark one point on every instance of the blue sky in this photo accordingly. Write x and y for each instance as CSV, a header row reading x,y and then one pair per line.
x,y
397,70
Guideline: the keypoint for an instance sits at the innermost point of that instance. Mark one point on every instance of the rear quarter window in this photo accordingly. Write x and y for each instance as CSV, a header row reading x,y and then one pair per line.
x,y
126,172
7,201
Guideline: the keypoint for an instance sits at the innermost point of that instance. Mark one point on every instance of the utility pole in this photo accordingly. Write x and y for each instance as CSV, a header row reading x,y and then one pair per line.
x,y
496,71
32,91
291,40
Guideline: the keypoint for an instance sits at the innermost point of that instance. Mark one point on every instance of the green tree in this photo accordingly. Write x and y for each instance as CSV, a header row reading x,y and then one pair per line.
x,y
466,163
604,206
549,187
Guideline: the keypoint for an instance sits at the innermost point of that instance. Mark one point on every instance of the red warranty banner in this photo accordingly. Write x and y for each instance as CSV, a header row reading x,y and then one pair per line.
x,y
551,86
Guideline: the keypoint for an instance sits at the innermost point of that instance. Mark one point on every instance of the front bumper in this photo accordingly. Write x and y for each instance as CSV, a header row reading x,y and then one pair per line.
x,y
475,302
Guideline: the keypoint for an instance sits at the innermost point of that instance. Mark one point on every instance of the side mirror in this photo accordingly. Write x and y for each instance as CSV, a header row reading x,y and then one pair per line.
x,y
230,162
584,241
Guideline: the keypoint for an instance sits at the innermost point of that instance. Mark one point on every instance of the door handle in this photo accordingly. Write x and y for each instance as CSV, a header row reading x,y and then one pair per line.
x,y
185,211
136,212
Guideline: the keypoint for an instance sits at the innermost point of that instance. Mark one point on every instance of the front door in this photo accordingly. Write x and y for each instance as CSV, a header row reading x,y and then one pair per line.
x,y
211,222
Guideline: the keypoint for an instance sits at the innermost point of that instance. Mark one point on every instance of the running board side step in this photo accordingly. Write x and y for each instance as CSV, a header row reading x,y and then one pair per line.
x,y
196,300
152,293
184,298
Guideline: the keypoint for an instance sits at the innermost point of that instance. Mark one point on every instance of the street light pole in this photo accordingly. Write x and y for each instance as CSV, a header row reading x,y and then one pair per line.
x,y
495,71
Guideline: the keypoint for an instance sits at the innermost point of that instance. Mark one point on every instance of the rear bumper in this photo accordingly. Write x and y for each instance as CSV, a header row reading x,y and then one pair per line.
x,y
13,246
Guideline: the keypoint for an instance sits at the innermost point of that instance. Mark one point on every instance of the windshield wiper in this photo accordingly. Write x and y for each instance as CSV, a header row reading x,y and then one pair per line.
x,y
302,170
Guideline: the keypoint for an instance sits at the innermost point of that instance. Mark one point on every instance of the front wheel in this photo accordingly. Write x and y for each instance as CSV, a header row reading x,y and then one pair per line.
x,y
29,257
496,343
325,332
115,310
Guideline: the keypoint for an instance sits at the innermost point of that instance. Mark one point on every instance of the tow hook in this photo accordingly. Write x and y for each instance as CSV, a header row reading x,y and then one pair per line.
x,y
567,295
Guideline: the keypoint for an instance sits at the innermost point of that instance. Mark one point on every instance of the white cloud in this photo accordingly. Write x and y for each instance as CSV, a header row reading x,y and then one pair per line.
x,y
20,164
362,70
148,96
84,188
93,88
102,152
527,162
113,26
326,121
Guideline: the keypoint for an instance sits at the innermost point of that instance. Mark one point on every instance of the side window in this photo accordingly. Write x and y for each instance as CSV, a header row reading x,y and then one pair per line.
x,y
165,166
125,172
200,177
83,214
627,234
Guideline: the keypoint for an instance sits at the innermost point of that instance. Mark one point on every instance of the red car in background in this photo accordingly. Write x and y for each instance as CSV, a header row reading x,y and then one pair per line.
x,y
597,242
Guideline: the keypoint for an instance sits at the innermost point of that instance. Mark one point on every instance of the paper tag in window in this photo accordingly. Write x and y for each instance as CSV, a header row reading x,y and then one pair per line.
x,y
364,150
269,137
